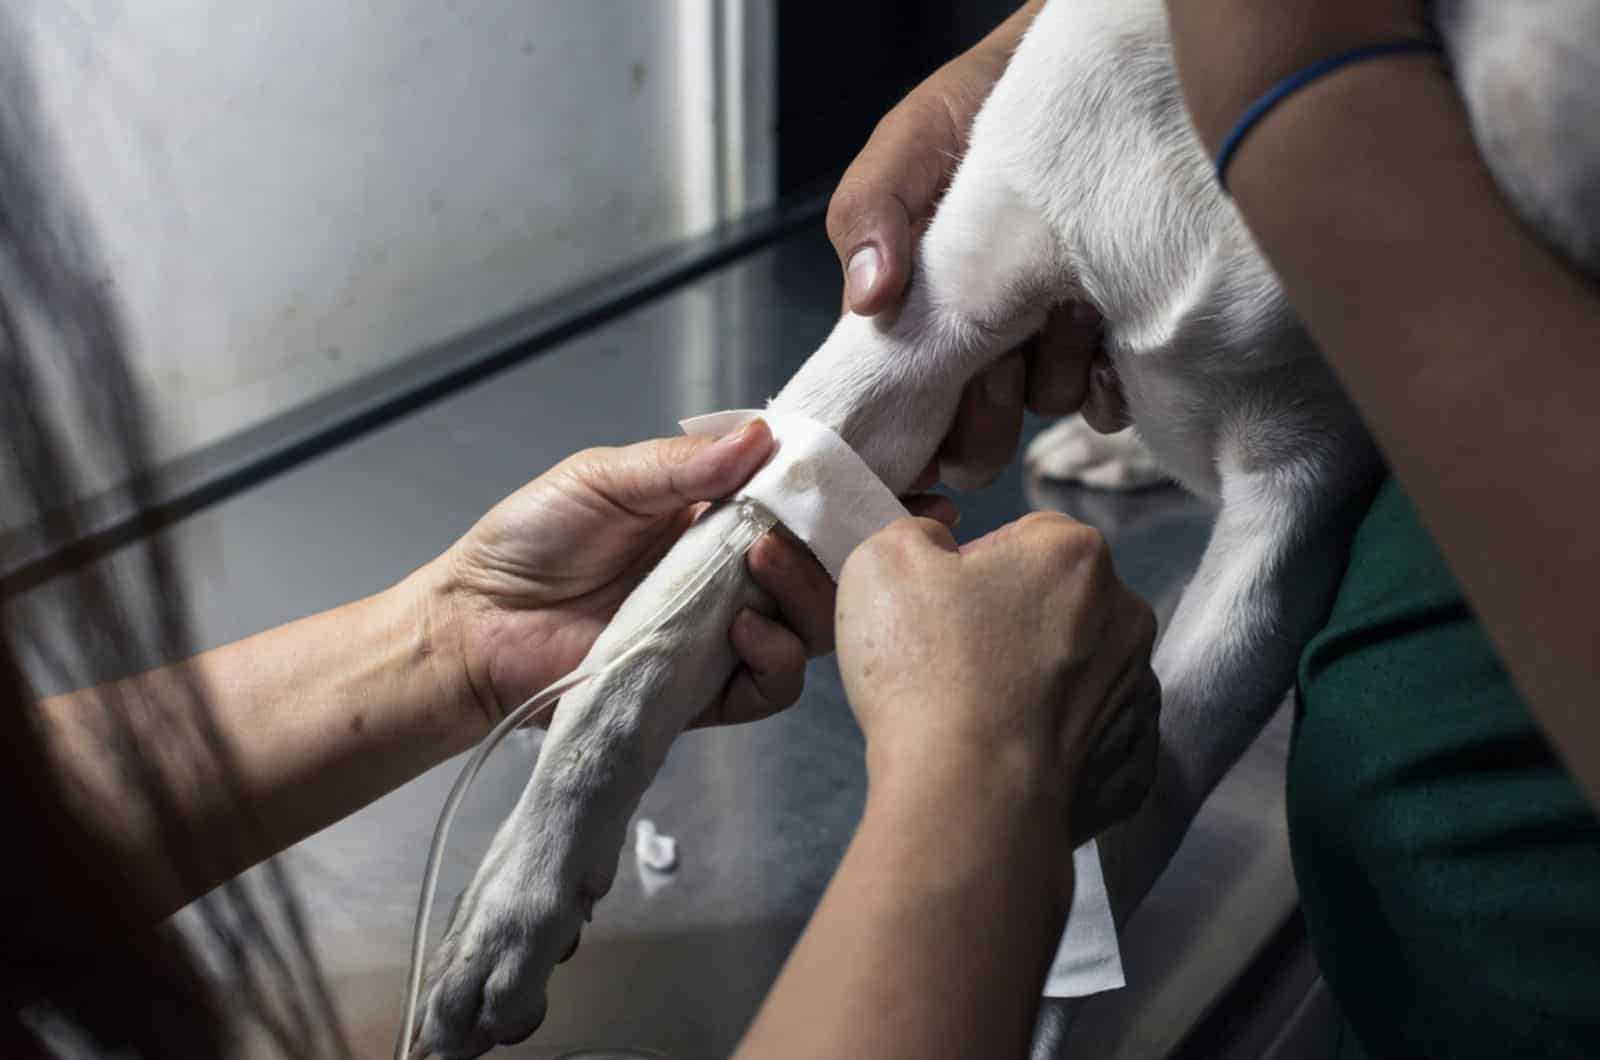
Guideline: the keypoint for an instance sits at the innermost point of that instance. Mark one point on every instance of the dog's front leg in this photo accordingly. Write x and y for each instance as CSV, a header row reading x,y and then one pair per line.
x,y
889,386
555,855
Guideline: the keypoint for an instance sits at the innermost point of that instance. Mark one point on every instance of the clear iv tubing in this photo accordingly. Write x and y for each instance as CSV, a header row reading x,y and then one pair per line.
x,y
754,522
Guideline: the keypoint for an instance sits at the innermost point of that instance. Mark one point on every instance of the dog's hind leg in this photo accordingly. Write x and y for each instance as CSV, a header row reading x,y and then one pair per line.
x,y
1228,656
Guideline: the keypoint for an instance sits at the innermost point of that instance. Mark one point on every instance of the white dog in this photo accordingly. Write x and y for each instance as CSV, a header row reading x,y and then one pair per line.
x,y
1083,180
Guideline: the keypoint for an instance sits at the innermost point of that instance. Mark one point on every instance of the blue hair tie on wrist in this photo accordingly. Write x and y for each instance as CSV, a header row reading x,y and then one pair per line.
x,y
1300,79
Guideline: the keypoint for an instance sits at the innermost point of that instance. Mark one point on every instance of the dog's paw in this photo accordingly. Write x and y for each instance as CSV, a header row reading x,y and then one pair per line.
x,y
1073,451
486,983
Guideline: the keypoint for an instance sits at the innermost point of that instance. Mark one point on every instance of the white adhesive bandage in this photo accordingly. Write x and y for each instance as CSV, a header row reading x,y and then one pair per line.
x,y
814,483
1088,961
828,497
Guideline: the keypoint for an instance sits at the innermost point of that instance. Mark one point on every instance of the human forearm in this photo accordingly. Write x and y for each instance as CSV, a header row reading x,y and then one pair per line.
x,y
319,717
936,934
988,681
1467,346
304,724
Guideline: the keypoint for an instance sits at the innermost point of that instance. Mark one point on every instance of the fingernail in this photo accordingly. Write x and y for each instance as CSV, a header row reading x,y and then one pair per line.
x,y
734,439
861,274
1003,383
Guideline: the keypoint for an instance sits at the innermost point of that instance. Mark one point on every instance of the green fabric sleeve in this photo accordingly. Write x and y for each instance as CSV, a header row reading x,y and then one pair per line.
x,y
1448,867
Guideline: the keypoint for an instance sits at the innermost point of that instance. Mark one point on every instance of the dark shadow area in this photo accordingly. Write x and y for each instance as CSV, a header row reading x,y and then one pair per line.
x,y
843,63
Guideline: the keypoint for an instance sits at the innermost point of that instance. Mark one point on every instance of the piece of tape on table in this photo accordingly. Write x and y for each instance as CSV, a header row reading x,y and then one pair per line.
x,y
829,498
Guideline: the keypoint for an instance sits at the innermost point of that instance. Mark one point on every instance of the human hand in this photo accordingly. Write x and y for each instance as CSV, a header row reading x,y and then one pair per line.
x,y
529,587
1019,660
878,213
1230,52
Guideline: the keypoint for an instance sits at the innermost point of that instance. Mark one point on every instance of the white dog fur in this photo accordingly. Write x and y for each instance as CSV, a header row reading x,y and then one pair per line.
x,y
1083,180
1070,450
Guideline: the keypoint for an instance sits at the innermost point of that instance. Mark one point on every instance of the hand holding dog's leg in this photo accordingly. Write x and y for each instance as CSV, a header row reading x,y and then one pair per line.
x,y
882,206
525,592
983,678
890,388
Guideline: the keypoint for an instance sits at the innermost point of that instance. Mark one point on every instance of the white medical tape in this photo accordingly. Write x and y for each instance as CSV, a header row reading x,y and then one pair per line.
x,y
1089,959
814,484
829,498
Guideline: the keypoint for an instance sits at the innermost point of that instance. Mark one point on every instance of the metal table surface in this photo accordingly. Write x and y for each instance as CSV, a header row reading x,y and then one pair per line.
x,y
762,813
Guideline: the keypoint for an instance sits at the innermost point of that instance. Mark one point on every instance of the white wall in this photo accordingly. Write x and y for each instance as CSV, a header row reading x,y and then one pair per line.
x,y
291,193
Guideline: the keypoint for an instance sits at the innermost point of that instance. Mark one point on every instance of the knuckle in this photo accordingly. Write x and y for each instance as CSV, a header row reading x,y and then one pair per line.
x,y
1079,545
873,554
848,209
901,536
877,549
1041,522
1093,543
1100,568
659,461
857,563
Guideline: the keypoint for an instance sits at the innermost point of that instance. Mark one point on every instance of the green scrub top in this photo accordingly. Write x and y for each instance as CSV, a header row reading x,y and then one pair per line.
x,y
1449,868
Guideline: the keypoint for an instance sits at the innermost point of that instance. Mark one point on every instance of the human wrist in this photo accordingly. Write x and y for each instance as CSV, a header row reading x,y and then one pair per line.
x,y
432,600
953,737
973,809
983,783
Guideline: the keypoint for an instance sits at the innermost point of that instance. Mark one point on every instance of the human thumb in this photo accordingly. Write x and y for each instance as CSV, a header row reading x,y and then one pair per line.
x,y
871,234
661,476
